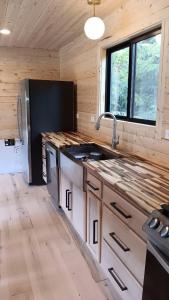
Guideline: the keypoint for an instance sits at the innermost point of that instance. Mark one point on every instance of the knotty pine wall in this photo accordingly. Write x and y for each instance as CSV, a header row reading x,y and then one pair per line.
x,y
17,64
82,60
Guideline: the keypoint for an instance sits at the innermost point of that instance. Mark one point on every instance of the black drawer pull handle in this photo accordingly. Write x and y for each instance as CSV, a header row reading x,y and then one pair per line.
x,y
95,241
69,201
117,280
95,188
126,216
67,198
119,242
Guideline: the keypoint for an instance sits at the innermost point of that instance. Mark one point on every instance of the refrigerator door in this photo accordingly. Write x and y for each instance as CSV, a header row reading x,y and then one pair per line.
x,y
25,131
51,109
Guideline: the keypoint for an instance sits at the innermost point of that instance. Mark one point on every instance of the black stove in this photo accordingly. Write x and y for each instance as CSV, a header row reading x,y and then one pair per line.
x,y
156,277
157,228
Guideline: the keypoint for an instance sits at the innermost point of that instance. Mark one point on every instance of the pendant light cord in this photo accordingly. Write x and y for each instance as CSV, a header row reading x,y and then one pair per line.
x,y
94,8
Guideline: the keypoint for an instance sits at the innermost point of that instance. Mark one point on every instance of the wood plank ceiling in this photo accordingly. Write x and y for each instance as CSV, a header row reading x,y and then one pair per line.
x,y
46,24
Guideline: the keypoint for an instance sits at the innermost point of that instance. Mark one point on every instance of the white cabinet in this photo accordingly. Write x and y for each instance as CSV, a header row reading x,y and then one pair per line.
x,y
73,203
79,211
66,195
123,247
125,243
122,280
94,185
93,224
125,211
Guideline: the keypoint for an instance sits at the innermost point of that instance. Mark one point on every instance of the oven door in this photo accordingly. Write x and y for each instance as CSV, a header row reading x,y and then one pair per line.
x,y
156,279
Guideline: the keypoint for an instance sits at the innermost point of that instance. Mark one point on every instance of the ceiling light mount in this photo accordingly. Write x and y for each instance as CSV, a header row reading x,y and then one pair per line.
x,y
94,27
94,2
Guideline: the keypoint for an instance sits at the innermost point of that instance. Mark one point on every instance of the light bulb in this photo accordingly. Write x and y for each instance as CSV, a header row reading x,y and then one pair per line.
x,y
5,31
94,28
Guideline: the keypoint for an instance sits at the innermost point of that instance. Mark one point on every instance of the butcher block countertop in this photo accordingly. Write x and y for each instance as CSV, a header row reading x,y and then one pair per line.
x,y
62,139
141,182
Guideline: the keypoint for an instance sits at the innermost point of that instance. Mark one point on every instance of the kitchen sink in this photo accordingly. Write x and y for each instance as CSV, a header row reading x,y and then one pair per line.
x,y
84,152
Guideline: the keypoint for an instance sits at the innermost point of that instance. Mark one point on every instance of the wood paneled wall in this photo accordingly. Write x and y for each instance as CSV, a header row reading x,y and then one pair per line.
x,y
15,65
81,61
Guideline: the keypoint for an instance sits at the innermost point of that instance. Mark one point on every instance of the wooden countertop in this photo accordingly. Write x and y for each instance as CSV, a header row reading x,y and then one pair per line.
x,y
62,139
144,184
139,181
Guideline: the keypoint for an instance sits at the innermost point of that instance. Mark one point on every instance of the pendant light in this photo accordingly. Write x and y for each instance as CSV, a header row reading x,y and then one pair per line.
x,y
94,26
5,31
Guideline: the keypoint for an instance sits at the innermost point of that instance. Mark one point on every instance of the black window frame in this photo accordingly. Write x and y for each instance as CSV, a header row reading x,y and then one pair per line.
x,y
131,76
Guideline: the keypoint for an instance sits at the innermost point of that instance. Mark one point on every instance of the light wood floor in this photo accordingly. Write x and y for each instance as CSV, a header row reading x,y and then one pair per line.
x,y
39,260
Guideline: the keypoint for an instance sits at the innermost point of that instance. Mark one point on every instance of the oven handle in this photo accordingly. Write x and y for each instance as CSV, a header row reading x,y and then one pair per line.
x,y
159,256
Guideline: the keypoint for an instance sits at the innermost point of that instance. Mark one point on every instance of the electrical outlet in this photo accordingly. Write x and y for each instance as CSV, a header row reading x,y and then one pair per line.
x,y
167,134
9,142
93,119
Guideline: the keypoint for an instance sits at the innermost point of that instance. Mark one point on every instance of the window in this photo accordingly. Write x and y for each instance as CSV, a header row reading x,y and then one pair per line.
x,y
132,78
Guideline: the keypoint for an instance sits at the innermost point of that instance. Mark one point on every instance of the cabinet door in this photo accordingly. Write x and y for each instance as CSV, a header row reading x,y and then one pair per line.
x,y
93,224
66,195
79,211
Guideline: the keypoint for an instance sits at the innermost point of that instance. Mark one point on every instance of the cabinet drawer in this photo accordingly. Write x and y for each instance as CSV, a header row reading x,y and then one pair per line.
x,y
124,283
125,211
94,185
128,246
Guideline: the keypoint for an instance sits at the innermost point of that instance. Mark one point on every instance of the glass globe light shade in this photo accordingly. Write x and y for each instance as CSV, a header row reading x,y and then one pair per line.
x,y
94,28
5,31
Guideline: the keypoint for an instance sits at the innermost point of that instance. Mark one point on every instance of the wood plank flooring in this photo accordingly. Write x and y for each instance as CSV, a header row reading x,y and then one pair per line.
x,y
39,259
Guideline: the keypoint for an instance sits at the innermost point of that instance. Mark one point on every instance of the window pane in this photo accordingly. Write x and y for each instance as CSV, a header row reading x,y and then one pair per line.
x,y
146,80
119,82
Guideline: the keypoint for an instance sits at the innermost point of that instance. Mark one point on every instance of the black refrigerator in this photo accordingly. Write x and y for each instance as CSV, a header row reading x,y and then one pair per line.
x,y
44,106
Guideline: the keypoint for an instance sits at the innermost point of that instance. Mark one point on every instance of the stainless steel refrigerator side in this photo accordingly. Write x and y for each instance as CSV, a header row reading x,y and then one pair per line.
x,y
26,131
19,117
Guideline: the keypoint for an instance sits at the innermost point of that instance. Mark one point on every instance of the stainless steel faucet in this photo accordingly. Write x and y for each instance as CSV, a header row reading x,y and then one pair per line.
x,y
115,139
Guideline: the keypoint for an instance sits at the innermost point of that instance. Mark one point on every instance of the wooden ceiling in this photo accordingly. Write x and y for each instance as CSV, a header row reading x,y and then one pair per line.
x,y
46,24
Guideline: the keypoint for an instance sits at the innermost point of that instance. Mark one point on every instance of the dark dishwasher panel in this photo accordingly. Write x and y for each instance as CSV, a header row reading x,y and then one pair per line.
x,y
52,173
